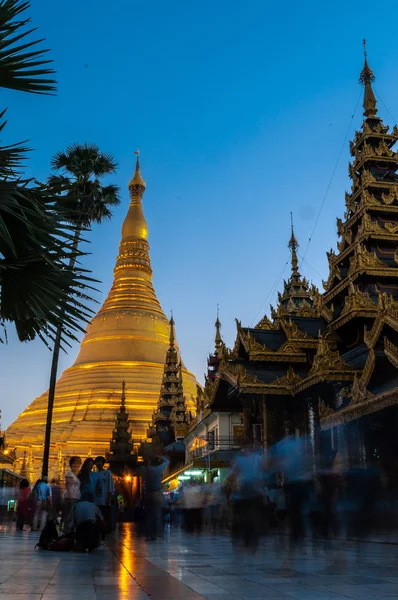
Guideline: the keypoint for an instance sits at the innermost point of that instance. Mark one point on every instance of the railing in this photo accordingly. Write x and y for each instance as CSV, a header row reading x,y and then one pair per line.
x,y
214,443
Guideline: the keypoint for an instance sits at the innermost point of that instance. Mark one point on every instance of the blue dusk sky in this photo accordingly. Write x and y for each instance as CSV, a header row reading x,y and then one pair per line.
x,y
240,111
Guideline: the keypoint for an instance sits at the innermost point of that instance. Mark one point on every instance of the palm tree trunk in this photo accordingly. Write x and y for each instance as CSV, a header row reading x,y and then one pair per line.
x,y
54,370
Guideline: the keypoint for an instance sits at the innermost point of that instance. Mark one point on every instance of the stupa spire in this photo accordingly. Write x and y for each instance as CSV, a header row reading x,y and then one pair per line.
x,y
137,180
367,78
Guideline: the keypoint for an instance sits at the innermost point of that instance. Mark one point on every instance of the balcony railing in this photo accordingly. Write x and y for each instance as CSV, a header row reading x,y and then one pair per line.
x,y
210,444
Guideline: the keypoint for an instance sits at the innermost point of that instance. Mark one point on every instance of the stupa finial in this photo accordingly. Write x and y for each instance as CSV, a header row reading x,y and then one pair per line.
x,y
366,78
137,179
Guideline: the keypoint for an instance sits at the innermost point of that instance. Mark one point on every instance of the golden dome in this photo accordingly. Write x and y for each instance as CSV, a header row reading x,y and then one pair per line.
x,y
127,340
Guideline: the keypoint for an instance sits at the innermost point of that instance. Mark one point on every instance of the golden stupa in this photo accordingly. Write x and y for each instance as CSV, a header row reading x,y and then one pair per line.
x,y
126,341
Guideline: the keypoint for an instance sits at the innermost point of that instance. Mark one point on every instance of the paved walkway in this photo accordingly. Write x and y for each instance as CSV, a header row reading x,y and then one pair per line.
x,y
184,567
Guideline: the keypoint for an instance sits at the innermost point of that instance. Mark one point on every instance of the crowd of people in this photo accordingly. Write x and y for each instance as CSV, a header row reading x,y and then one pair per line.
x,y
82,510
287,493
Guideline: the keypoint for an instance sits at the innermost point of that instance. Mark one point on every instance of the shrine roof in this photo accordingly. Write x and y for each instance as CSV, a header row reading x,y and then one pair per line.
x,y
272,338
311,325
267,375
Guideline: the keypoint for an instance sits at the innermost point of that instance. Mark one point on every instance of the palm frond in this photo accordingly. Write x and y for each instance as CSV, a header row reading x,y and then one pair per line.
x,y
39,289
21,70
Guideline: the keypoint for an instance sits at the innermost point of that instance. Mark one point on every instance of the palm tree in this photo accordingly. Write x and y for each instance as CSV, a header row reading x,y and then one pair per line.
x,y
38,288
83,200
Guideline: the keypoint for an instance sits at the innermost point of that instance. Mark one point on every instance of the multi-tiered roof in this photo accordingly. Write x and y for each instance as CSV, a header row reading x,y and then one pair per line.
x,y
341,346
170,419
121,445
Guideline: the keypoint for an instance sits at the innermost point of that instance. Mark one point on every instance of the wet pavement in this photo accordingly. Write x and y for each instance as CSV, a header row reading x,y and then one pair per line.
x,y
180,566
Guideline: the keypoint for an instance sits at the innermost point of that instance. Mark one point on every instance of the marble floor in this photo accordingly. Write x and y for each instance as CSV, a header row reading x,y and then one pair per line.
x,y
184,567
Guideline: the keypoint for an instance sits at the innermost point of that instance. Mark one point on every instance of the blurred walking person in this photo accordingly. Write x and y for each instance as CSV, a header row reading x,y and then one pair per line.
x,y
87,477
104,489
72,493
23,511
42,493
247,481
193,503
153,499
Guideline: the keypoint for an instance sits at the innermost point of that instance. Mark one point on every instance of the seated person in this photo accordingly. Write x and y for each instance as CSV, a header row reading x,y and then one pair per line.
x,y
87,516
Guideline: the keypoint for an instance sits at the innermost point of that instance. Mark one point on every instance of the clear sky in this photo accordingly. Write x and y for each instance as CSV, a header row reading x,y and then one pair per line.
x,y
240,111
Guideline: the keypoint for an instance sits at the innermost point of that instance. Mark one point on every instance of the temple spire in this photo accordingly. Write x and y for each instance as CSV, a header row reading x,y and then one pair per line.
x,y
172,331
293,245
123,398
218,339
367,78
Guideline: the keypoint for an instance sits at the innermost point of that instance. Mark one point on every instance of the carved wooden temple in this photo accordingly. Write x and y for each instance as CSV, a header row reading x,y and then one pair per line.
x,y
325,364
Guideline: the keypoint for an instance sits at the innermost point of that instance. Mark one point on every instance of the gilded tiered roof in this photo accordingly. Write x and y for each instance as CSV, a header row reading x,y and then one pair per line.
x,y
295,298
170,419
121,444
342,344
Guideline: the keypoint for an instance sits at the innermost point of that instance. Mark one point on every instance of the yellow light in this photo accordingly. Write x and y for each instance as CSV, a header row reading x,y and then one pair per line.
x,y
127,478
5,451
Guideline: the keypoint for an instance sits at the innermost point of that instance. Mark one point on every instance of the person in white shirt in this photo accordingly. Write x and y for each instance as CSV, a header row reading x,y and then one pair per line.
x,y
87,517
72,493
42,491
104,488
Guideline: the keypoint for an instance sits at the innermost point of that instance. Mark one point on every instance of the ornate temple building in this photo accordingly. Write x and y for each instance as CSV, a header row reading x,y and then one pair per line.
x,y
325,364
126,341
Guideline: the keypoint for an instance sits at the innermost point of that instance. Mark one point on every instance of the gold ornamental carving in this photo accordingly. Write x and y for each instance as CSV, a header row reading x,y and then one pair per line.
x,y
368,199
359,393
383,150
364,259
367,178
326,360
292,331
369,367
370,337
319,306
391,196
324,410
266,324
391,227
290,380
357,300
391,352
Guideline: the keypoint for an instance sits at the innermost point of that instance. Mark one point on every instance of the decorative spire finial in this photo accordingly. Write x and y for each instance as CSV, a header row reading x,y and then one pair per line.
x,y
123,402
172,332
137,180
366,78
218,339
293,245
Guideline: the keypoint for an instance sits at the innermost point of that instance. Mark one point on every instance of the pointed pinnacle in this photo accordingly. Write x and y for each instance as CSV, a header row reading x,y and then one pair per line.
x,y
366,78
293,245
137,177
218,339
123,400
172,332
